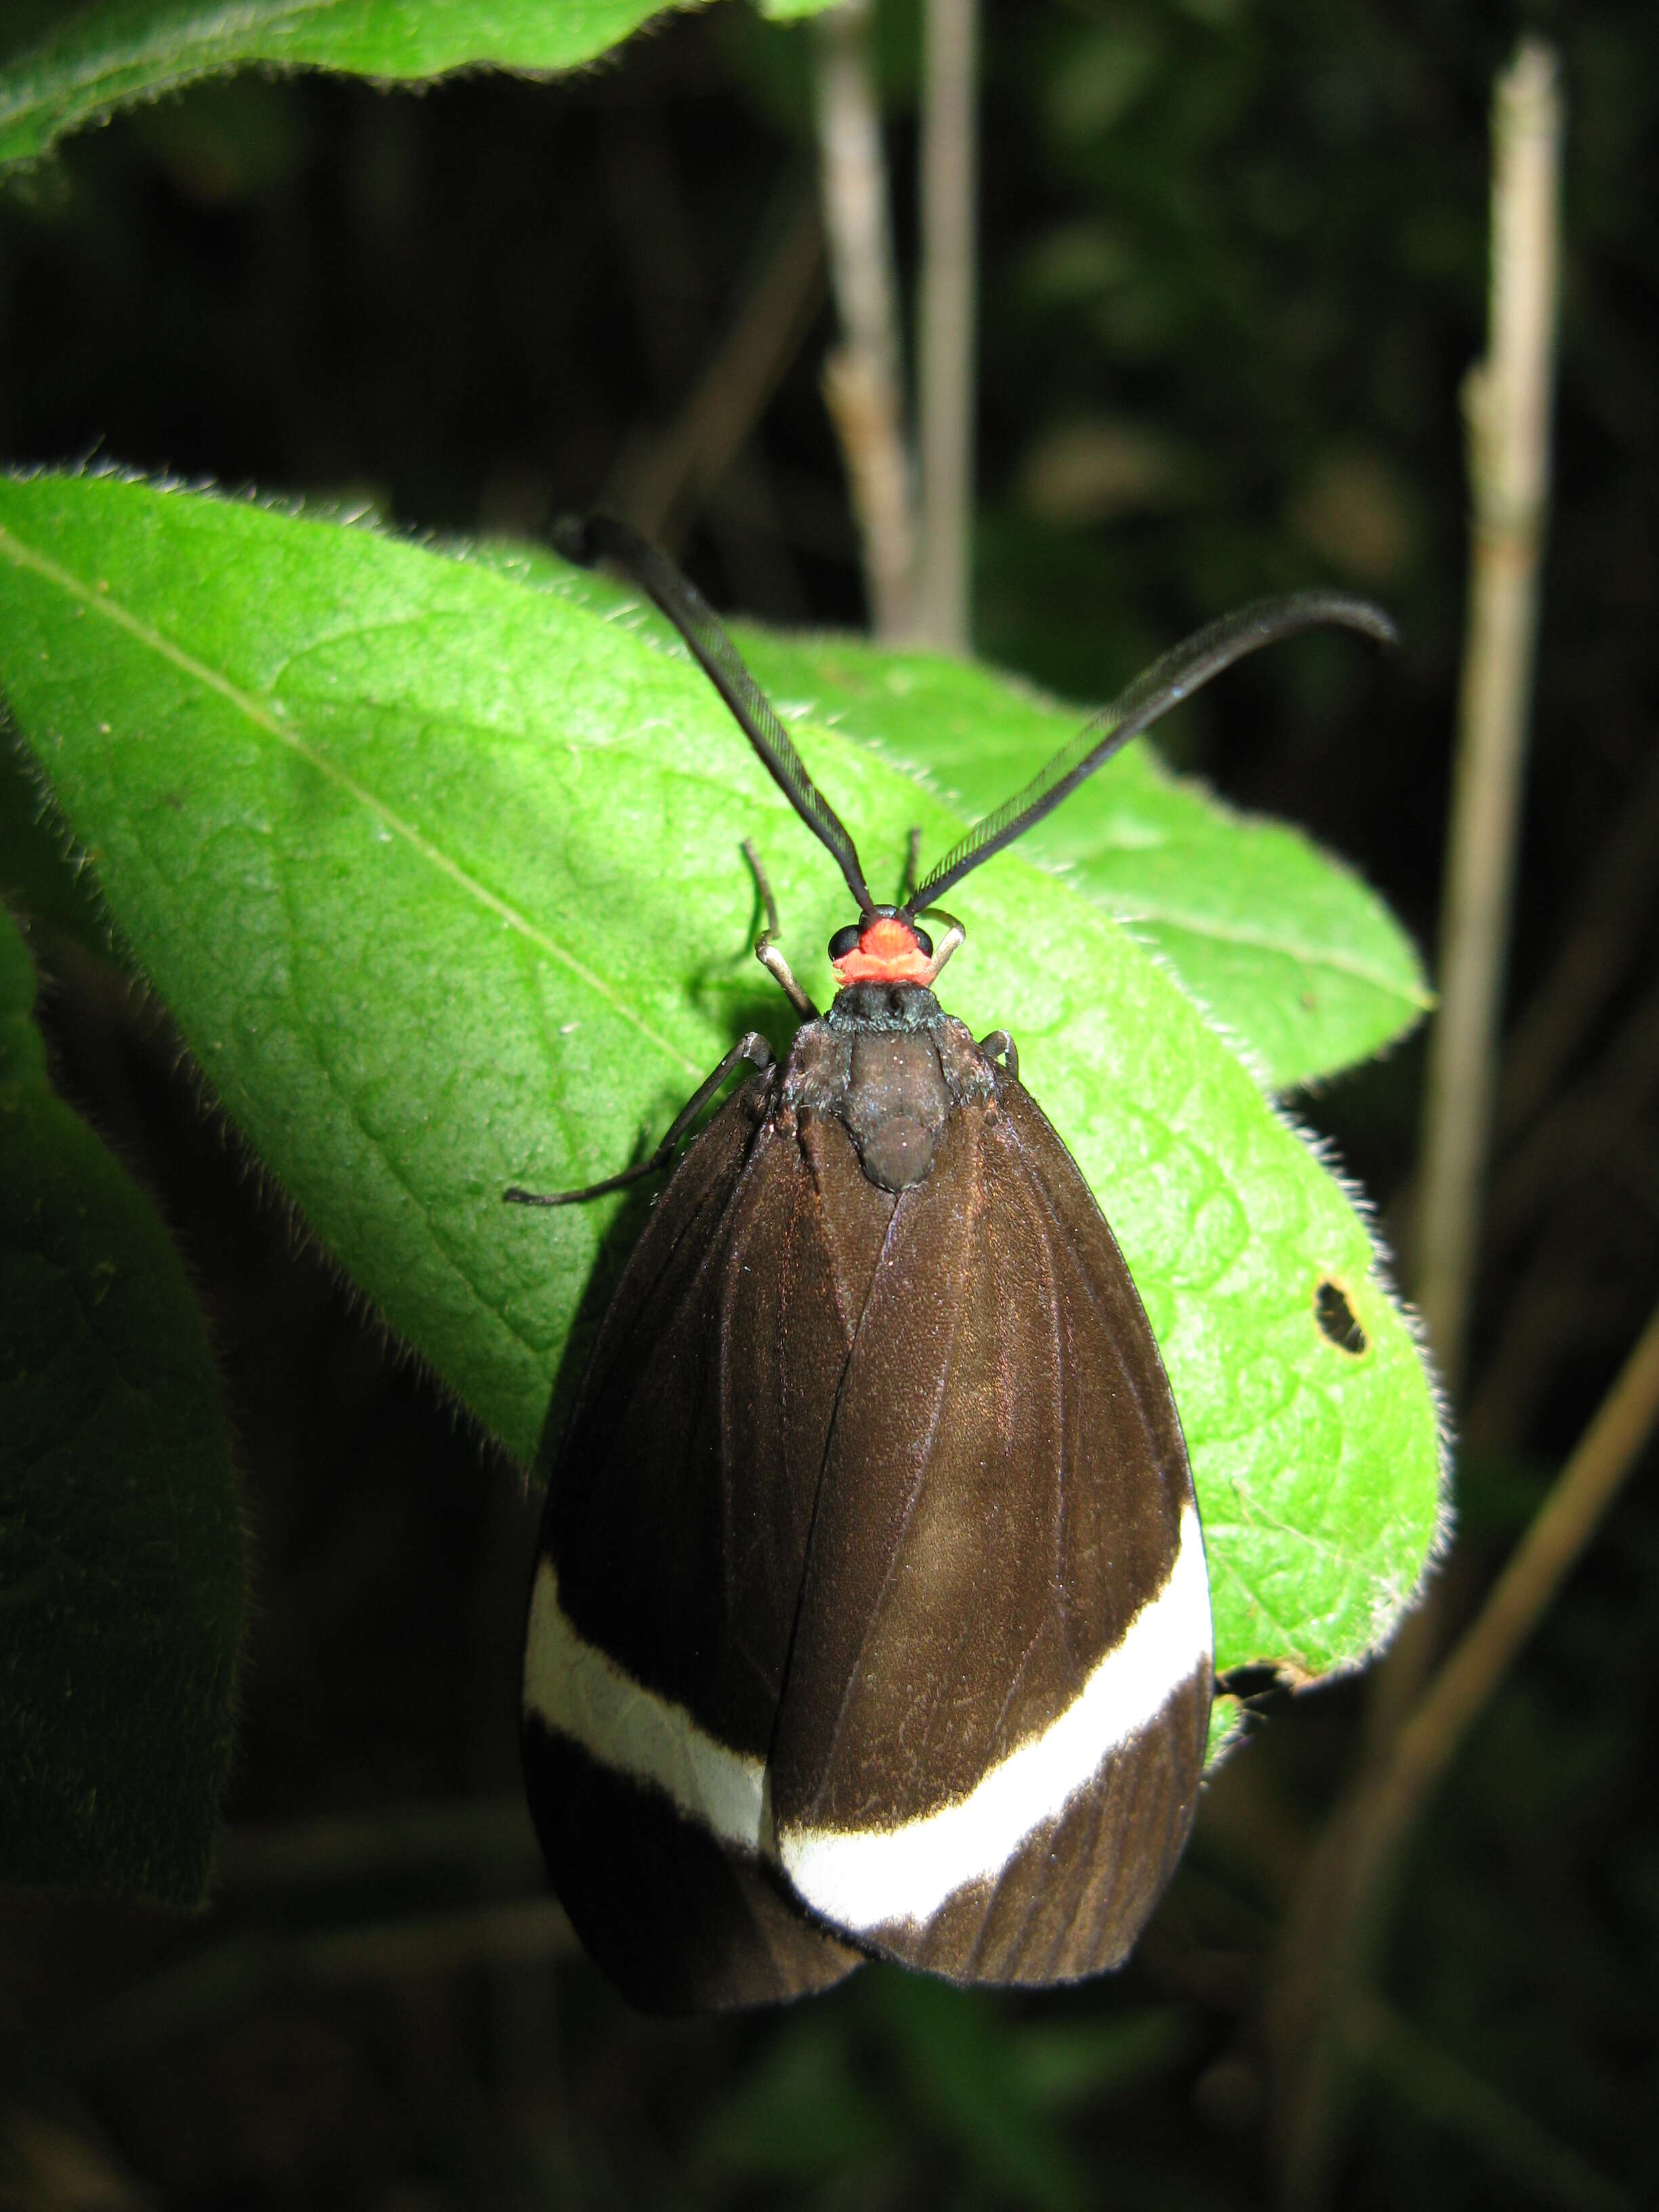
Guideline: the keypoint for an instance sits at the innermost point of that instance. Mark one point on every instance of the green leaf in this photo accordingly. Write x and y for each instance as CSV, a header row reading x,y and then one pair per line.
x,y
109,55
1302,967
440,876
121,1557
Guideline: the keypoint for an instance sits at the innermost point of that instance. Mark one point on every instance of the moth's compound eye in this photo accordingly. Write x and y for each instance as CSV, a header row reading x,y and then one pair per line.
x,y
844,941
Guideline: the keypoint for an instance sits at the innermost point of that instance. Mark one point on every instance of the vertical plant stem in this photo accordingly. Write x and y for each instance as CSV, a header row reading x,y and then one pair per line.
x,y
946,382
1507,407
863,378
1334,1931
1619,884
1430,2082
1506,402
663,485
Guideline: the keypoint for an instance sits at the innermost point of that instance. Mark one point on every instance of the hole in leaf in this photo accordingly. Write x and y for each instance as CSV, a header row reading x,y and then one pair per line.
x,y
1255,1679
1336,1318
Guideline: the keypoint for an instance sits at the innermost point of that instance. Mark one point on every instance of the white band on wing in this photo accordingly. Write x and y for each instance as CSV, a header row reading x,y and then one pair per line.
x,y
861,1879
575,1688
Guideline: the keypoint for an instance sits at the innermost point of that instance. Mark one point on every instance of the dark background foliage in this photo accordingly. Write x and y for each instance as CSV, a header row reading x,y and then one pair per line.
x,y
1233,270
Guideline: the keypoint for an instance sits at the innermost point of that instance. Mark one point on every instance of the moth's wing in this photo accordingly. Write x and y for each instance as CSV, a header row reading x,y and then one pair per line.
x,y
991,1739
667,1575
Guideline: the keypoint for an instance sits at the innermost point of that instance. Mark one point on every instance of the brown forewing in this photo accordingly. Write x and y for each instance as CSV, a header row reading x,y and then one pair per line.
x,y
1003,1491
677,1520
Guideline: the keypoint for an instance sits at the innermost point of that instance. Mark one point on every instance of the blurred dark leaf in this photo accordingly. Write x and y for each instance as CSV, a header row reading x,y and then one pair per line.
x,y
800,2115
121,1554
954,2053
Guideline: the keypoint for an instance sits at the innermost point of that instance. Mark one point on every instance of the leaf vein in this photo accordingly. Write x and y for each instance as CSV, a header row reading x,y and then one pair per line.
x,y
261,718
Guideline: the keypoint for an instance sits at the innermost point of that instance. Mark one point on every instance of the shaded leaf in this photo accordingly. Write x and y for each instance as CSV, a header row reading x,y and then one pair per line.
x,y
801,2115
109,55
1062,2064
121,1554
38,871
955,2053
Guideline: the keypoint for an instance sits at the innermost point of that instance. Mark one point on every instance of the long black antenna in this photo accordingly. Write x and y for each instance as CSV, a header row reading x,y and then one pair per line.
x,y
602,538
1183,670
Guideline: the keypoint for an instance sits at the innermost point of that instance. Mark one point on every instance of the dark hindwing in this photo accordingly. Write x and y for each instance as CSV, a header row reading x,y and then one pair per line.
x,y
668,1566
988,1751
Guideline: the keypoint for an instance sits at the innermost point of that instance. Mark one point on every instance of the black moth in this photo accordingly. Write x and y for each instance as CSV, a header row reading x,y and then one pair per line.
x,y
870,1613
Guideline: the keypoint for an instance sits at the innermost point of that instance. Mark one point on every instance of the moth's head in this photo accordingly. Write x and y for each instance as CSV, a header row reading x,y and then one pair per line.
x,y
883,946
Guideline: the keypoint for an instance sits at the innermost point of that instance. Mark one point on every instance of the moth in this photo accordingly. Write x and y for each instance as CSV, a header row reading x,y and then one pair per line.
x,y
870,1614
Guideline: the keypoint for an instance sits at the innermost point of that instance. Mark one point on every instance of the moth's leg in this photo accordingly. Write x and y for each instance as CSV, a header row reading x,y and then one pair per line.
x,y
955,934
1000,1046
765,951
753,1047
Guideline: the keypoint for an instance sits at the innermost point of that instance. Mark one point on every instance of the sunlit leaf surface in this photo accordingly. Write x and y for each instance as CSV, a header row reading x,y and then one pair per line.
x,y
439,875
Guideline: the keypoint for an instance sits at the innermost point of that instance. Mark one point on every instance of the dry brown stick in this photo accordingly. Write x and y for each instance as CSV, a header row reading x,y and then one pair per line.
x,y
660,490
1593,956
1507,406
229,1976
493,1832
1446,2093
863,378
1331,1947
1507,403
659,247
1580,1129
1565,1301
1507,399
1583,975
944,384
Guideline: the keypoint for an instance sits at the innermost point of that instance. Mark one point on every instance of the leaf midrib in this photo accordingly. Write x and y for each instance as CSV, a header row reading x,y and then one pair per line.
x,y
260,718
1259,941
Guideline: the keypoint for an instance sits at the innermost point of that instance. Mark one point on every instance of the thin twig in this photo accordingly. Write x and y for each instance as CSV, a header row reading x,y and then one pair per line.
x,y
1331,1947
1567,1300
1445,2091
659,248
1507,403
863,379
1507,406
1563,1525
660,490
492,1832
944,384
231,1976
1583,973
1618,885
1581,1129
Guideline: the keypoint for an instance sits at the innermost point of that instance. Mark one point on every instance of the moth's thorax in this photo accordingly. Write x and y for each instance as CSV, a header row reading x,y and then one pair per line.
x,y
892,1067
